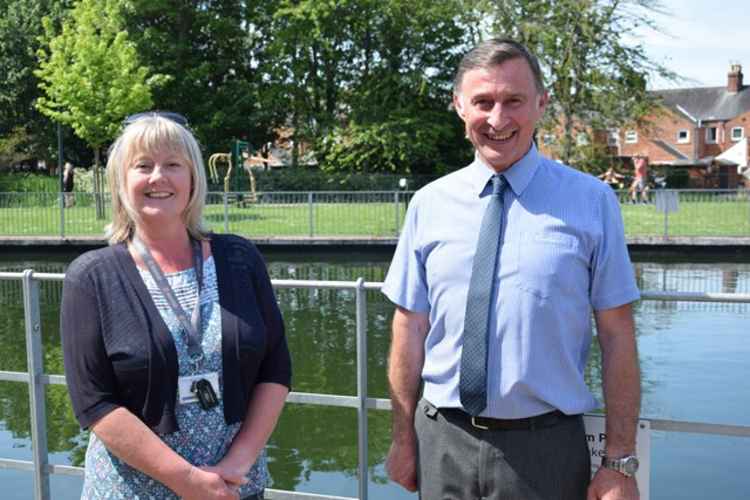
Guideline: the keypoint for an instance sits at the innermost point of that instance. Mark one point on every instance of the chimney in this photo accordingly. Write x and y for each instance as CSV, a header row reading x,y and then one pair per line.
x,y
734,79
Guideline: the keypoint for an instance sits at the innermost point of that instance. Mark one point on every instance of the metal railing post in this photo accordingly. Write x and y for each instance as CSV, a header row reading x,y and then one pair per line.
x,y
311,213
226,212
397,207
362,387
62,214
34,359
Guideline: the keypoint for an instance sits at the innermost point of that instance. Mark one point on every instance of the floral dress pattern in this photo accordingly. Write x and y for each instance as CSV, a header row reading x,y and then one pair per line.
x,y
203,437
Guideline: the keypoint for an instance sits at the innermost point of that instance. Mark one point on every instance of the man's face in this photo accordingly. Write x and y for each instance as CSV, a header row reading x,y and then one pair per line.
x,y
500,106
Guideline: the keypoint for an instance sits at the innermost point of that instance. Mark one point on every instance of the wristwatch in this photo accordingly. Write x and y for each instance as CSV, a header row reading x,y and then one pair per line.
x,y
627,465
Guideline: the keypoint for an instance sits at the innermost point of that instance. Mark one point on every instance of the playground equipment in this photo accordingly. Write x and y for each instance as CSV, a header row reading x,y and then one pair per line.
x,y
235,161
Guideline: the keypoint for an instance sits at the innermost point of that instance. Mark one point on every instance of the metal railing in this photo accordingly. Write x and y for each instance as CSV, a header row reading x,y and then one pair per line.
x,y
37,379
699,213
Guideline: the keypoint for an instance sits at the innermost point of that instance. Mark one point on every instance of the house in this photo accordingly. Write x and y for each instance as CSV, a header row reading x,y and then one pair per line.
x,y
701,131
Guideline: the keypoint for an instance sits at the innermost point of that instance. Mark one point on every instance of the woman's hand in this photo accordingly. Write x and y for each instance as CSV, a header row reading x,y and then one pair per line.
x,y
205,484
233,476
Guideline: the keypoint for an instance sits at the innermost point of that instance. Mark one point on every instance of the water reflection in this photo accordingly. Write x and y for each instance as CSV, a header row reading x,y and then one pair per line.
x,y
314,442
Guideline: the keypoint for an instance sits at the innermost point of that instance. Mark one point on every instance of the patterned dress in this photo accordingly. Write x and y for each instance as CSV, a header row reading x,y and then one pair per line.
x,y
203,437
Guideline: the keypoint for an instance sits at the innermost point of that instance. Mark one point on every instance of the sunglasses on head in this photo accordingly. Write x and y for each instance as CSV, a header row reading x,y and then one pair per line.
x,y
169,115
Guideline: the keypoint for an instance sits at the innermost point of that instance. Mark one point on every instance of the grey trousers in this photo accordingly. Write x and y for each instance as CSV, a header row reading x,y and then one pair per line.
x,y
460,462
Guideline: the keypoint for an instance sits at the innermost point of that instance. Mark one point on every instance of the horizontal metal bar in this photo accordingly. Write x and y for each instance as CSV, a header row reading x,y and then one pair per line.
x,y
28,465
66,470
14,376
311,398
7,463
699,428
296,495
734,298
54,379
37,276
314,284
379,404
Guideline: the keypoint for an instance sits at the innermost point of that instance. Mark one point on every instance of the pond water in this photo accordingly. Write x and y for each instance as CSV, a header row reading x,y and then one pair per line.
x,y
694,361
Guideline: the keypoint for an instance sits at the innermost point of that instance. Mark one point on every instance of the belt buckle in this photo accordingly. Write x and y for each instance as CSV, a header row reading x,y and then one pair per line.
x,y
476,425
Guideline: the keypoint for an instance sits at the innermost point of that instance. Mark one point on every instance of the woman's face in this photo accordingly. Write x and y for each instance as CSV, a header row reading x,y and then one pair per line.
x,y
158,184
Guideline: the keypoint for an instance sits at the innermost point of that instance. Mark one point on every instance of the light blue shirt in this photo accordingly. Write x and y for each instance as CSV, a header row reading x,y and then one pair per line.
x,y
562,254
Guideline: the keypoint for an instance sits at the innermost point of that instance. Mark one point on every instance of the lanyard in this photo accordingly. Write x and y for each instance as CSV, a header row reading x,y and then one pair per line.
x,y
192,325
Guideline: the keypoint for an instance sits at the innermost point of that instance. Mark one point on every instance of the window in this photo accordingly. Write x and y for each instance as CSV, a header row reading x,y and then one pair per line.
x,y
738,133
631,137
683,136
582,139
712,135
613,137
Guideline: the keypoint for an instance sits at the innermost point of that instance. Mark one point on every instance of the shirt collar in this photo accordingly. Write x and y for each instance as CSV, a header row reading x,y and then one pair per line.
x,y
518,175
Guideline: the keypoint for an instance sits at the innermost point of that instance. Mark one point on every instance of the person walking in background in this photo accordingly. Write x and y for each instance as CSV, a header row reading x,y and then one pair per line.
x,y
613,178
639,187
174,347
69,184
495,277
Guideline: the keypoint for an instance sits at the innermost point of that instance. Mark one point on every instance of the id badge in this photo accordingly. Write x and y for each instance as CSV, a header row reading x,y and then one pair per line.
x,y
208,383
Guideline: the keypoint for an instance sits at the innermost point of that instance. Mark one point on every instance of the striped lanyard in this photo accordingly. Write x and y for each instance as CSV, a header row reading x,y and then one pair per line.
x,y
190,326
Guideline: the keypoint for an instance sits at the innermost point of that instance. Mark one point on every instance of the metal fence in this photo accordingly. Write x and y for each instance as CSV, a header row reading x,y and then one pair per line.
x,y
37,379
667,213
687,213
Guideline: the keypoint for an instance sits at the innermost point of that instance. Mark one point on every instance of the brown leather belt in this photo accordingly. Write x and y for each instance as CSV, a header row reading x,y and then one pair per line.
x,y
501,424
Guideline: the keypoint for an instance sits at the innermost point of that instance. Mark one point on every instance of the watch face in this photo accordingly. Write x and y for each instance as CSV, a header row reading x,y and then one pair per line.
x,y
630,465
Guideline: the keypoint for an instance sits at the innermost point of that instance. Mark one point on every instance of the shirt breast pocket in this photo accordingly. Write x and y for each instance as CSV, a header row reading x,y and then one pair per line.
x,y
547,264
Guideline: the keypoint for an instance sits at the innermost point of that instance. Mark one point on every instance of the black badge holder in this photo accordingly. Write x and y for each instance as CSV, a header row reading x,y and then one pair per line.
x,y
205,393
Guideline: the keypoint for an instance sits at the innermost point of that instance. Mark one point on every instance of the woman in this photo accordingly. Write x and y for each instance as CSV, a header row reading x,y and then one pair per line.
x,y
180,399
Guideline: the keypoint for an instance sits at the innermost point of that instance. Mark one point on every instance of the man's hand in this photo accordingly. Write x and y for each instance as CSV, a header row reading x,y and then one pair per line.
x,y
611,485
401,464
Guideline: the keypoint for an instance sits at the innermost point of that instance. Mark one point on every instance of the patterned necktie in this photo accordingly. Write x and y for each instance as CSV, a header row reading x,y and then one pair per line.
x,y
473,382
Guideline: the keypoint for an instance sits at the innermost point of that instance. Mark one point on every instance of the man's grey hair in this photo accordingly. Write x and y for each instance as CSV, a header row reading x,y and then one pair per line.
x,y
494,52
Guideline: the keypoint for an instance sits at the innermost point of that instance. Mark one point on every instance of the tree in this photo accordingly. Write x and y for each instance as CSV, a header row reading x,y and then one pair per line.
x,y
24,131
211,50
91,76
368,82
596,78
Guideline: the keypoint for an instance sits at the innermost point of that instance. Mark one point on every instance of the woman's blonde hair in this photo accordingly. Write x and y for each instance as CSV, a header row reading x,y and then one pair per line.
x,y
148,134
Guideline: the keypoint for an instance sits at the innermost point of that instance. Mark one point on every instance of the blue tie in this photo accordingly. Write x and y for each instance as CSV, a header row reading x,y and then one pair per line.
x,y
473,382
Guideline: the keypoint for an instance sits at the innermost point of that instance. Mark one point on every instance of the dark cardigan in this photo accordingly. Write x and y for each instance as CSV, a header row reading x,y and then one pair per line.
x,y
118,351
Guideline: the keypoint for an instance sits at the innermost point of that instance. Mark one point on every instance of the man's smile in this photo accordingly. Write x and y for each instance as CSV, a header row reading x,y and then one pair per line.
x,y
500,136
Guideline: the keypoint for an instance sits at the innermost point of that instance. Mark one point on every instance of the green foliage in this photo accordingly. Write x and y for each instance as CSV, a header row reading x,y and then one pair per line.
x,y
211,51
311,179
25,132
13,147
24,182
369,82
90,72
396,145
595,79
366,84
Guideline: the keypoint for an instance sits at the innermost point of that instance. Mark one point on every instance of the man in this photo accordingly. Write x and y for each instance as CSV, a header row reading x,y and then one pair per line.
x,y
68,184
517,318
640,179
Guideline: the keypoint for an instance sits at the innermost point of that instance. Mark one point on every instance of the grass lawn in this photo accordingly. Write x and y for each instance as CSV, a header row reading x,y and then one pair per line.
x,y
697,218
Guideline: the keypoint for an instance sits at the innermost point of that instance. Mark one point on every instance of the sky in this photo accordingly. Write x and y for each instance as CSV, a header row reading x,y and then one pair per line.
x,y
701,39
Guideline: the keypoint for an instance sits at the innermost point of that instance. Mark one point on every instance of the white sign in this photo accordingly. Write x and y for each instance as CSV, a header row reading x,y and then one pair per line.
x,y
596,437
667,201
